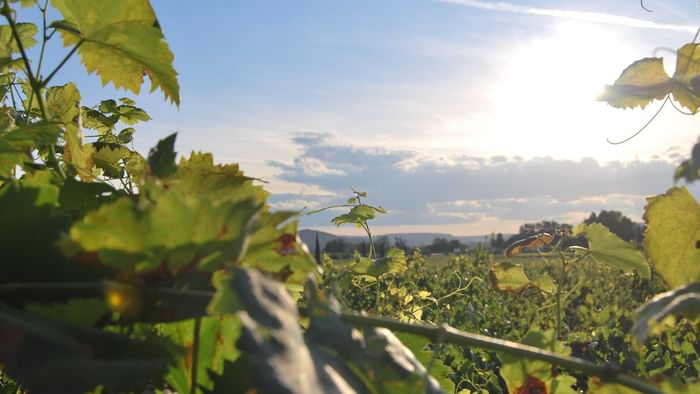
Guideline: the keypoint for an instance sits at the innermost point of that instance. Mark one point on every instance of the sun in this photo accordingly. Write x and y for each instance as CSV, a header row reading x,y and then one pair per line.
x,y
548,87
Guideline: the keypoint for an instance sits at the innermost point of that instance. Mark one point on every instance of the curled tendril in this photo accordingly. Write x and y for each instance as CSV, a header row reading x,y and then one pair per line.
x,y
680,109
668,97
658,111
641,4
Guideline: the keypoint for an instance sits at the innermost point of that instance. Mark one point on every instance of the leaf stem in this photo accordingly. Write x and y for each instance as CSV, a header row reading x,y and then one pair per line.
x,y
452,335
195,354
52,161
62,63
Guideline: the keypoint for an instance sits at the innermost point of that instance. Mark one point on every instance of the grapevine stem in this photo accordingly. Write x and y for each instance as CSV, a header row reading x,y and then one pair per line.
x,y
452,335
35,85
28,292
195,354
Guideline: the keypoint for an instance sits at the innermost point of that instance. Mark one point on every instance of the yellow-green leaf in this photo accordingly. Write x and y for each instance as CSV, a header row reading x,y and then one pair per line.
x,y
8,45
608,248
121,41
63,105
523,375
509,277
672,235
639,84
687,68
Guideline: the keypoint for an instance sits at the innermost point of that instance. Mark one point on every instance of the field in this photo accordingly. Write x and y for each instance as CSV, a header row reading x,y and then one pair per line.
x,y
597,304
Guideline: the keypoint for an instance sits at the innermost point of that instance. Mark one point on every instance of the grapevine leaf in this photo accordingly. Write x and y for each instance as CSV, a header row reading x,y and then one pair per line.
x,y
687,69
79,197
29,228
689,169
176,230
109,157
8,45
275,247
50,356
16,144
521,373
121,41
234,378
534,243
682,300
640,83
83,312
670,241
608,248
198,176
63,105
509,277
358,215
393,263
161,159
217,338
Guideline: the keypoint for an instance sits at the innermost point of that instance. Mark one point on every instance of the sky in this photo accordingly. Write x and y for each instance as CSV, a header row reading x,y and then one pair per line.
x,y
458,116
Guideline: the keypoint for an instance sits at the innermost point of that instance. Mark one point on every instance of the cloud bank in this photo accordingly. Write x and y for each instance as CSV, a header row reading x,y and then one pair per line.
x,y
465,193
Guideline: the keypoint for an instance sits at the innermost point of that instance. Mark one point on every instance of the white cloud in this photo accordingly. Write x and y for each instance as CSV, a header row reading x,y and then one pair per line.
x,y
468,194
596,17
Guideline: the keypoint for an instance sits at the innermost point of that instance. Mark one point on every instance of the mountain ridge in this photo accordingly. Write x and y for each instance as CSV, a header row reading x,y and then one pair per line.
x,y
412,239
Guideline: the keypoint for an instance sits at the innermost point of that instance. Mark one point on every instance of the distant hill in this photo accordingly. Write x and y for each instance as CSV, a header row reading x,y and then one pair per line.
x,y
411,239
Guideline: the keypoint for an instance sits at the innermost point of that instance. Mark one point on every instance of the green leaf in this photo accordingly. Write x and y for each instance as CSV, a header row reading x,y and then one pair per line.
x,y
16,145
689,170
511,277
121,41
608,248
63,105
175,230
276,248
646,80
687,68
161,159
528,376
640,83
683,300
672,235
393,263
217,339
109,157
84,312
8,45
199,176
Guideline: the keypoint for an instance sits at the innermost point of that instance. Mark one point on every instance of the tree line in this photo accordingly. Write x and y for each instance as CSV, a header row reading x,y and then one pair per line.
x,y
618,224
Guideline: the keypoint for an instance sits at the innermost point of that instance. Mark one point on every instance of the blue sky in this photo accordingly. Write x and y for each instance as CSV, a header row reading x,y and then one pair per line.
x,y
458,116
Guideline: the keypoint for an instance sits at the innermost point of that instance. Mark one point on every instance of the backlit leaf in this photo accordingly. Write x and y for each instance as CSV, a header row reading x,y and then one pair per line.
x,y
8,45
642,82
16,144
509,277
520,373
672,235
63,105
608,248
121,41
687,68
